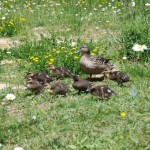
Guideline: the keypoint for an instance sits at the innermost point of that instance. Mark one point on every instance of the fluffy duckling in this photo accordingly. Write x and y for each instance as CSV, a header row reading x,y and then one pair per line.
x,y
119,77
102,91
34,86
39,76
81,84
60,71
93,64
59,88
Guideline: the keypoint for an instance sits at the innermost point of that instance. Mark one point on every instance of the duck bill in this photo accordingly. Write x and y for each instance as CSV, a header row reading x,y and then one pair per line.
x,y
77,51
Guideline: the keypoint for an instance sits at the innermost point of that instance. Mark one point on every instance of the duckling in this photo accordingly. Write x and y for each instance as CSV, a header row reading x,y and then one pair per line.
x,y
119,77
81,84
93,64
60,71
59,88
34,86
102,91
39,76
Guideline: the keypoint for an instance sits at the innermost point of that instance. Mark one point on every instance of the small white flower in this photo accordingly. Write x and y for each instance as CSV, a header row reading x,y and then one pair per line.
x,y
73,44
34,117
139,48
103,9
3,18
8,52
147,5
10,96
124,57
18,148
1,145
132,3
90,14
59,41
97,28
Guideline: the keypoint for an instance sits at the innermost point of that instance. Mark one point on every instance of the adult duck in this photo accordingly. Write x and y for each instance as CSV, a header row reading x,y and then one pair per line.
x,y
93,64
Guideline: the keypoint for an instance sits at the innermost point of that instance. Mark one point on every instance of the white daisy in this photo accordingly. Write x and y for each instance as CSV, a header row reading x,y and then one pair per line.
x,y
73,44
139,48
147,5
34,117
124,57
18,148
10,96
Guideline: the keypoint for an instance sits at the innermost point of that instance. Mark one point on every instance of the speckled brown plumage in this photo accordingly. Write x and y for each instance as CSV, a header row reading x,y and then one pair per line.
x,y
34,86
119,77
81,84
59,88
93,64
102,91
59,72
39,76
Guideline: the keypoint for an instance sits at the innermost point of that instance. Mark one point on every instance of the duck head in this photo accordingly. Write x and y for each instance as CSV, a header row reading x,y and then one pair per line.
x,y
76,78
51,67
84,49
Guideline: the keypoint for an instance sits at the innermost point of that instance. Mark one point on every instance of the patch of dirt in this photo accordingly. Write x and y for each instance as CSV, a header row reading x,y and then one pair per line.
x,y
6,43
41,31
14,87
14,111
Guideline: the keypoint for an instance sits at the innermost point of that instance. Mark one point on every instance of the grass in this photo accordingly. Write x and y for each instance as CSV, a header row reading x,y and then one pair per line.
x,y
74,122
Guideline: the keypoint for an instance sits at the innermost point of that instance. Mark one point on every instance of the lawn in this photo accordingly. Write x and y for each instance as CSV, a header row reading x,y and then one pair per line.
x,y
50,31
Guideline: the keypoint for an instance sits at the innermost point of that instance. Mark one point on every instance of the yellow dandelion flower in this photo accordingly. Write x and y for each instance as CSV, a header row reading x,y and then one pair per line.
x,y
50,63
123,114
73,48
22,19
57,52
36,60
95,50
52,60
76,57
70,53
62,47
1,28
31,57
93,54
11,23
46,56
18,59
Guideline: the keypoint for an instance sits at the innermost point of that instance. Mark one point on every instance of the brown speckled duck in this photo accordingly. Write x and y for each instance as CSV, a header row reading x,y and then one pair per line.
x,y
39,76
59,88
119,77
60,72
34,86
81,84
102,91
93,64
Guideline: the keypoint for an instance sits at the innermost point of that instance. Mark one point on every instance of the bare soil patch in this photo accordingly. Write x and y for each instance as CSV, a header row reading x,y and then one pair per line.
x,y
14,87
6,43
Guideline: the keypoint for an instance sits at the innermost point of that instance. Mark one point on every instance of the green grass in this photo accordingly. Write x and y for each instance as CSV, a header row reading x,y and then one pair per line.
x,y
74,122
